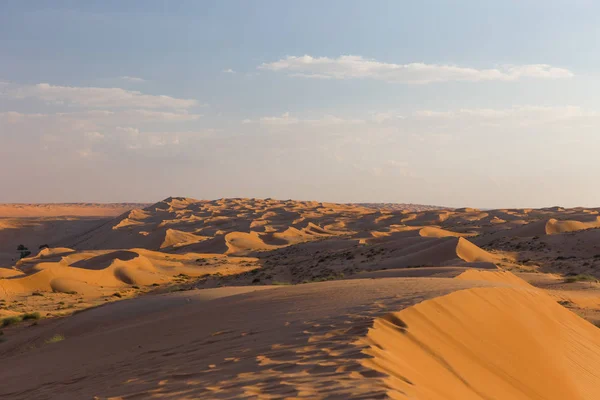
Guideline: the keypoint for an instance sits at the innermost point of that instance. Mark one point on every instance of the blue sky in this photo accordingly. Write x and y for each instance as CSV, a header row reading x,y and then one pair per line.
x,y
459,103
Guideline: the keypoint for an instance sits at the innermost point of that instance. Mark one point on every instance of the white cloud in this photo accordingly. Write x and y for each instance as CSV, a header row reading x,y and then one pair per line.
x,y
84,153
132,132
287,119
132,79
381,117
350,67
284,119
229,71
538,113
130,137
140,115
13,116
98,97
163,116
163,140
94,135
333,120
433,114
134,138
102,117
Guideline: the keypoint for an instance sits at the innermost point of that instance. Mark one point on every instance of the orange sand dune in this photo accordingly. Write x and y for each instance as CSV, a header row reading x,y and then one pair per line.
x,y
175,238
431,231
241,243
427,218
425,251
493,338
554,226
503,343
213,306
95,273
35,232
469,252
284,342
541,228
498,276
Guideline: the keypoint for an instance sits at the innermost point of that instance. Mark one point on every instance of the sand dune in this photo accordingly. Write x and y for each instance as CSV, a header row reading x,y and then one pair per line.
x,y
434,251
478,342
498,276
263,298
243,243
277,343
175,238
504,343
96,275
554,226
469,252
431,231
35,232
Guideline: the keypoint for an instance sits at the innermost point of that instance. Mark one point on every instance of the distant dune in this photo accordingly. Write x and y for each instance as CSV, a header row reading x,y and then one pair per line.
x,y
66,209
401,206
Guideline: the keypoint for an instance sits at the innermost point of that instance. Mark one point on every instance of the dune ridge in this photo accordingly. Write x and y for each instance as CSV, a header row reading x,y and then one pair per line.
x,y
457,347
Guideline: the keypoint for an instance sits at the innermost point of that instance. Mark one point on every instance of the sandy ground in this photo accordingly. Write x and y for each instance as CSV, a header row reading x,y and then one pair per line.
x,y
250,298
34,225
282,342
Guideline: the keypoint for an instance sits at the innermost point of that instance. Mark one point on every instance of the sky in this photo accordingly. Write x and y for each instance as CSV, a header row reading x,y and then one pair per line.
x,y
475,103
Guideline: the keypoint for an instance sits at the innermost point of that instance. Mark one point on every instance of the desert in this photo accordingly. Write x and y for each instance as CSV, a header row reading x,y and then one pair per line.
x,y
285,200
262,298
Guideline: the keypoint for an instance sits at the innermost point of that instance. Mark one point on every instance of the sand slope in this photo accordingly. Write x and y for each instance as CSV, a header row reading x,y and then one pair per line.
x,y
285,342
504,343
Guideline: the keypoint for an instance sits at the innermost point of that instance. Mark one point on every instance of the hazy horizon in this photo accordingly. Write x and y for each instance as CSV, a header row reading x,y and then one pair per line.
x,y
282,199
457,104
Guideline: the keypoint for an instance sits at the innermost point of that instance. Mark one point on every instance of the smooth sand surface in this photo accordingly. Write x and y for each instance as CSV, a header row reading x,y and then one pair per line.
x,y
504,343
285,341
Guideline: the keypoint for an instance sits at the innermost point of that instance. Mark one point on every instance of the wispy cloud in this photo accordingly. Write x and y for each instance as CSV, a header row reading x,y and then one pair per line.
x,y
436,121
13,116
385,116
229,71
354,67
98,97
132,79
94,135
288,119
106,117
151,115
537,113
284,119
134,139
